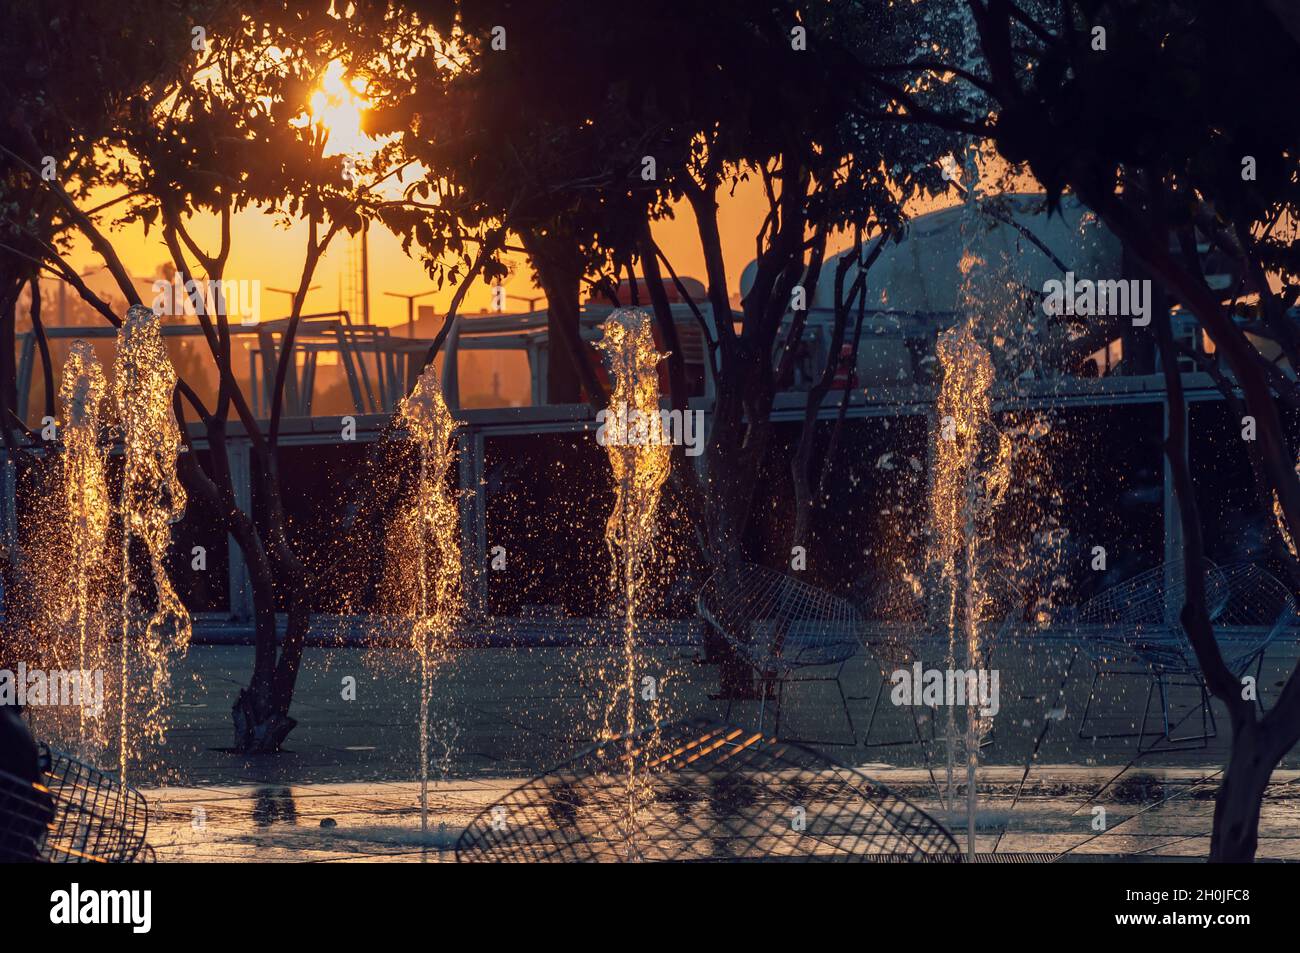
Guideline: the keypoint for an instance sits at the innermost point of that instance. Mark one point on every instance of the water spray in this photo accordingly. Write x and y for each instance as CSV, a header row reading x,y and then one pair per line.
x,y
86,497
152,500
640,466
426,543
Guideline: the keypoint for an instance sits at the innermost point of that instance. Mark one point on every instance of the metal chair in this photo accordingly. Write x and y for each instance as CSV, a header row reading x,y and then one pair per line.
x,y
96,818
783,627
74,813
890,645
901,629
1134,630
700,790
1258,608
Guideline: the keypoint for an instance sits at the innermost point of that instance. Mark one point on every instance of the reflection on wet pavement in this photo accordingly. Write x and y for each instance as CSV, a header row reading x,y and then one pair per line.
x,y
1158,814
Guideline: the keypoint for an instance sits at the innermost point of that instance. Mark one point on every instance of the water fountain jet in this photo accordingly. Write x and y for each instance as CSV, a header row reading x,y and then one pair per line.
x,y
972,468
639,460
426,542
152,500
88,505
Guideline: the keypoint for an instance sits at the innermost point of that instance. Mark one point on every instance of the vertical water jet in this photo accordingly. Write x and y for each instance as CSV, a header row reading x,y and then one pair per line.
x,y
88,505
972,467
155,626
639,459
425,542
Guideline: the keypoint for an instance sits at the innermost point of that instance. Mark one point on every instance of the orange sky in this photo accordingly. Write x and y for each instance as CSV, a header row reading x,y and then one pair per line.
x,y
268,253
262,250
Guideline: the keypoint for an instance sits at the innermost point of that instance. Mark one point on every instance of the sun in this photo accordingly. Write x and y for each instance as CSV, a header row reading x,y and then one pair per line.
x,y
338,105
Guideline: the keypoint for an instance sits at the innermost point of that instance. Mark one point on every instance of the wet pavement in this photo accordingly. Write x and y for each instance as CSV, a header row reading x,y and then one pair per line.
x,y
502,715
1157,815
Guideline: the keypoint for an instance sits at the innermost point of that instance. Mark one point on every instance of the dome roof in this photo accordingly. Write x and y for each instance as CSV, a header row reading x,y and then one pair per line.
x,y
922,274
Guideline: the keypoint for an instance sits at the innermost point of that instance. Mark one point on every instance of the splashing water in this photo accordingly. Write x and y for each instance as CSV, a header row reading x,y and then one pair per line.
x,y
971,474
152,500
425,541
88,506
639,460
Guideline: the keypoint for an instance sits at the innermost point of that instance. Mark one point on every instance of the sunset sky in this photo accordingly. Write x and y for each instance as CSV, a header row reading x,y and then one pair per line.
x,y
267,252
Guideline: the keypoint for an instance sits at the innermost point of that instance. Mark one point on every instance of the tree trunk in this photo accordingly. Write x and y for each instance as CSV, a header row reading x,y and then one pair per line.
x,y
735,678
295,640
11,567
260,712
12,287
1235,836
559,269
563,314
806,490
43,346
663,314
736,449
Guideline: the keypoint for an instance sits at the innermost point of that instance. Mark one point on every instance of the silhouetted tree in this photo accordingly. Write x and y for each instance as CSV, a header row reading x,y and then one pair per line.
x,y
1176,123
536,122
204,109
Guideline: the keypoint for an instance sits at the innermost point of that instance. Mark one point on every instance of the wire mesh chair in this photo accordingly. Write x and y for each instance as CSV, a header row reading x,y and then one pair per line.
x,y
698,790
781,627
902,628
25,814
97,819
1259,606
1138,619
1134,629
894,647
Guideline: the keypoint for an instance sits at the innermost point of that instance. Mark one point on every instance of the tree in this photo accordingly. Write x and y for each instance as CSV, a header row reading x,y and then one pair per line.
x,y
1145,112
551,135
224,127
53,115
521,140
243,138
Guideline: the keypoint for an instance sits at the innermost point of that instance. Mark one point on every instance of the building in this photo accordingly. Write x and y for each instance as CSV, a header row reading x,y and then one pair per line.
x,y
536,482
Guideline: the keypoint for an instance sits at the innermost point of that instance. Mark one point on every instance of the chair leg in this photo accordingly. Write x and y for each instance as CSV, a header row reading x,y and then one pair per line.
x,y
1087,707
871,719
1157,686
1164,704
1209,726
871,722
844,707
848,715
1146,712
776,714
